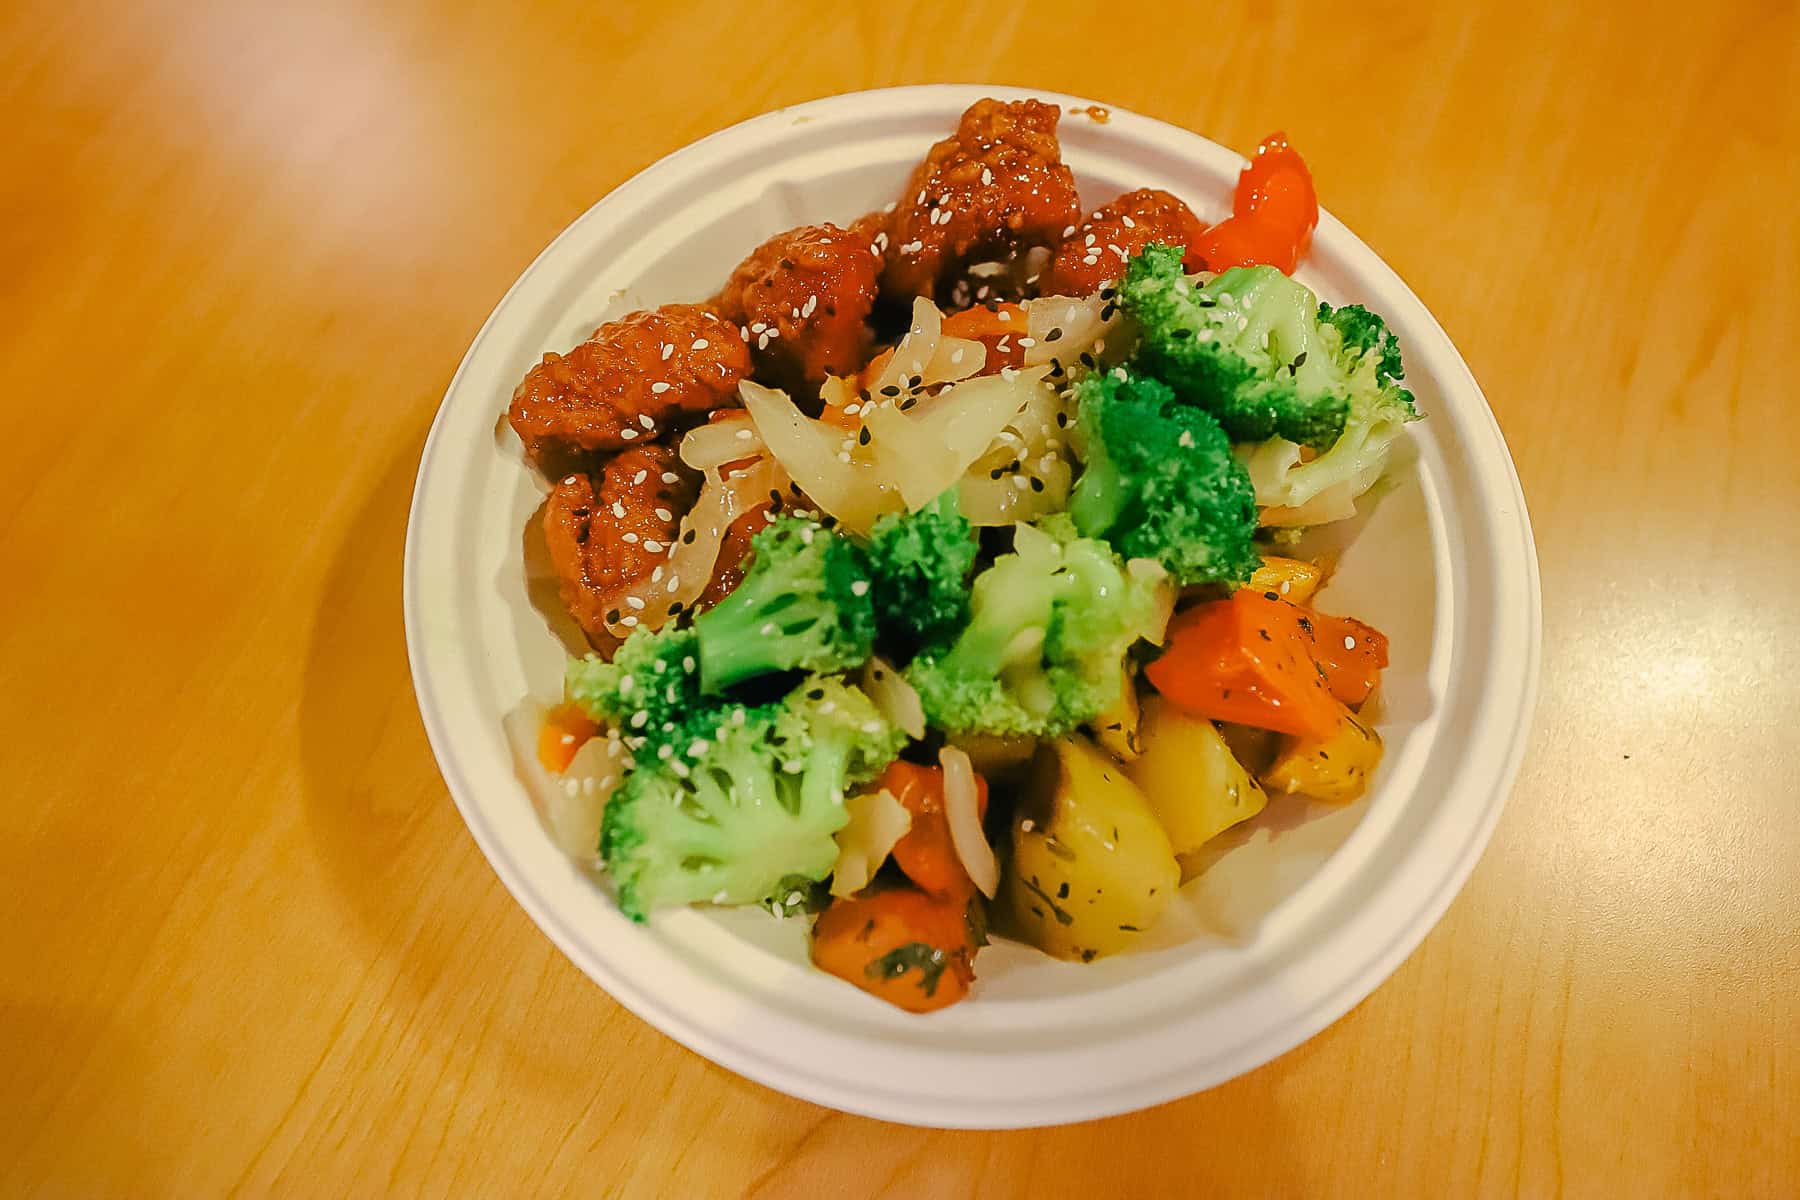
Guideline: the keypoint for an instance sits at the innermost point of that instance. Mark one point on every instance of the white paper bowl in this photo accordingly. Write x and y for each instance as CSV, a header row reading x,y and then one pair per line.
x,y
1301,919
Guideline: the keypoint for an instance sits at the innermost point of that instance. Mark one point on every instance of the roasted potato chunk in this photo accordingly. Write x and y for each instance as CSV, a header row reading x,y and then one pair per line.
x,y
1091,868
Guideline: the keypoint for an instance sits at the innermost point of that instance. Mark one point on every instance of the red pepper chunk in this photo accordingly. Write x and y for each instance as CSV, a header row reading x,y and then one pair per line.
x,y
1273,213
1351,654
1247,659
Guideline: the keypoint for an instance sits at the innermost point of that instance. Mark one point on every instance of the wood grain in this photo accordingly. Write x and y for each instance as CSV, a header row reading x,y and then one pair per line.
x,y
245,943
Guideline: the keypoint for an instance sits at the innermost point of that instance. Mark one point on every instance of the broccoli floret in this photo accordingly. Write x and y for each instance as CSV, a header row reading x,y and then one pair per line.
x,y
1049,627
1360,332
648,692
745,811
919,563
1160,481
803,604
1324,488
1245,346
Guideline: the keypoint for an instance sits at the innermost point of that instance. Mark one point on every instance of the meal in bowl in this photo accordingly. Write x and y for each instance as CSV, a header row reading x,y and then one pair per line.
x,y
937,571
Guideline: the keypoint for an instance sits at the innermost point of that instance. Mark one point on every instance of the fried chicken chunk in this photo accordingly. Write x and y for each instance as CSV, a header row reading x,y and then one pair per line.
x,y
605,534
621,385
1096,253
805,297
994,188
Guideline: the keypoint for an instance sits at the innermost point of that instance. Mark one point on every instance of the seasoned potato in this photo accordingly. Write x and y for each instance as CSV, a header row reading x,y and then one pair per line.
x,y
1091,868
1116,729
1336,768
1253,747
1194,784
1290,578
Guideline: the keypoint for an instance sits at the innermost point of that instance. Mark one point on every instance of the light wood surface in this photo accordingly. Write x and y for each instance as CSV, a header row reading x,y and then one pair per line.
x,y
245,942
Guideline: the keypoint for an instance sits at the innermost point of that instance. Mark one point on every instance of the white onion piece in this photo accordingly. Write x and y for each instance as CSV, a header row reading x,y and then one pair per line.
x,y
1150,571
877,823
962,811
915,350
680,580
718,442
822,459
1077,322
1040,444
895,698
569,804
925,451
956,358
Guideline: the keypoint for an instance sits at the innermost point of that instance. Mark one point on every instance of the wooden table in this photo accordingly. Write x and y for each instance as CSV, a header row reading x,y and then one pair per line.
x,y
245,942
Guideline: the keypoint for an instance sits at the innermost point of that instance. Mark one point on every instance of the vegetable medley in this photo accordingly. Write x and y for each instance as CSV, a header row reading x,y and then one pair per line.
x,y
930,568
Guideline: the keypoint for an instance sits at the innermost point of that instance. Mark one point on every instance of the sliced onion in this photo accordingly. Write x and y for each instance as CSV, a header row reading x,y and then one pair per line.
x,y
718,442
1150,571
1039,444
877,823
925,451
894,697
915,350
956,358
1077,323
822,459
724,497
962,811
570,803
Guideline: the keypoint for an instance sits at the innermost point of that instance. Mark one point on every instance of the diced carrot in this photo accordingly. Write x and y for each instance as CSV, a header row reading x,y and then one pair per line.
x,y
913,950
1351,654
1246,659
927,853
564,731
1000,326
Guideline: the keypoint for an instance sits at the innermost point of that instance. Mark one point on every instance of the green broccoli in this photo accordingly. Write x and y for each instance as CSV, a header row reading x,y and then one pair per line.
x,y
919,563
1249,347
804,604
1324,488
745,811
1049,627
649,690
1160,481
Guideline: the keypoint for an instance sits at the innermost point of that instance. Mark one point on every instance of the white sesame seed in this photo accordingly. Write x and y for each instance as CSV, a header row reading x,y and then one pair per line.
x,y
688,664
768,628
569,479
663,514
1186,440
668,348
699,344
639,478
634,602
653,547
645,420
1128,222
639,719
670,477
1027,343
1349,642
626,683
618,510
987,177
627,434
1068,230
656,575
745,434
659,387
674,582
1020,482
1028,825
860,588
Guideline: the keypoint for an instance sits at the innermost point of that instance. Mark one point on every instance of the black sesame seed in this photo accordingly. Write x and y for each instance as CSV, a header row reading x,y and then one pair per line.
x,y
862,436
1037,485
997,472
1053,335
687,539
612,618
1271,595
892,389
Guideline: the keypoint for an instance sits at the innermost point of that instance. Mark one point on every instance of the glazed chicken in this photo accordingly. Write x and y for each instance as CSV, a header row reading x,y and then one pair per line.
x,y
994,189
635,376
804,298
607,532
1096,253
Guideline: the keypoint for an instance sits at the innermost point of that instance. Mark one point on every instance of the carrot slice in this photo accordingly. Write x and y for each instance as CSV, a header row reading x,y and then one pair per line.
x,y
915,951
1246,659
564,731
927,853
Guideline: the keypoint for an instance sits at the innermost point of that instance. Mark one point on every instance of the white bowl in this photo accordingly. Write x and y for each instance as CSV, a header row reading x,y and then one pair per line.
x,y
1290,928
